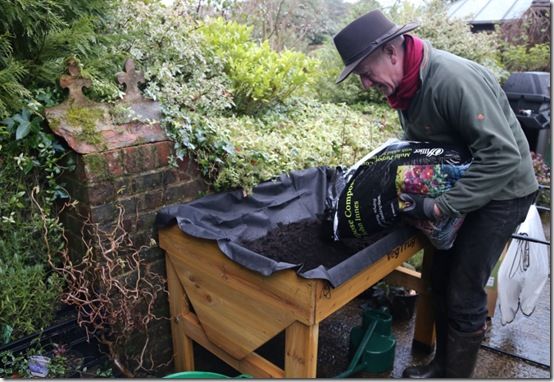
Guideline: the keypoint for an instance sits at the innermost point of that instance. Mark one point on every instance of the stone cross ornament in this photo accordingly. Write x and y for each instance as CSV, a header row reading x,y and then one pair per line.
x,y
144,109
131,78
75,83
90,127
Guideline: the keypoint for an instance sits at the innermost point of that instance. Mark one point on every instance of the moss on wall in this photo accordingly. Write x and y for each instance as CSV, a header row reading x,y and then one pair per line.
x,y
54,124
85,118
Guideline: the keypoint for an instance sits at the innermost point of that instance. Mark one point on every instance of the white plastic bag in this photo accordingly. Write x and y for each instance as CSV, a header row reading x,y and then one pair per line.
x,y
524,271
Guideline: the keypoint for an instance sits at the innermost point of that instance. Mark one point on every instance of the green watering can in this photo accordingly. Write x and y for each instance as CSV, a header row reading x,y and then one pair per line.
x,y
374,342
201,375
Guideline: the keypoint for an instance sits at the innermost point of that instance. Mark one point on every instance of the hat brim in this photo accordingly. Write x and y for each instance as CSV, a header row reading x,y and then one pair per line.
x,y
350,67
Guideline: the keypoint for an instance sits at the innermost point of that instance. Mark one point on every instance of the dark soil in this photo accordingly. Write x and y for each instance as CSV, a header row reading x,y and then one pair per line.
x,y
306,243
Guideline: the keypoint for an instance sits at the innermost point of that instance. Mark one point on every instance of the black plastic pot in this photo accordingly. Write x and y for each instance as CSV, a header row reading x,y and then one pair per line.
x,y
403,302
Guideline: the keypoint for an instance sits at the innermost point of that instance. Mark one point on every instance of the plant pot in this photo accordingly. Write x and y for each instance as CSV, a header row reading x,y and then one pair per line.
x,y
402,303
38,365
377,298
81,352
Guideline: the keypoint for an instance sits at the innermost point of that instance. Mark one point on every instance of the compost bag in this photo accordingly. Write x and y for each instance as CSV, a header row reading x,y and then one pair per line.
x,y
230,218
369,200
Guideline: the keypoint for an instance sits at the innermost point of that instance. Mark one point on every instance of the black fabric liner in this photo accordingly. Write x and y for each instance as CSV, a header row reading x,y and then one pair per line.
x,y
229,218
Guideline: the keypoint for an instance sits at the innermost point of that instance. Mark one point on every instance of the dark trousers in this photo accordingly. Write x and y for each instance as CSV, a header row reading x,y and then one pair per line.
x,y
460,274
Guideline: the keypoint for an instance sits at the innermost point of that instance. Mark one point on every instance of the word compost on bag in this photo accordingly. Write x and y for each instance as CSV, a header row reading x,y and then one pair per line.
x,y
369,201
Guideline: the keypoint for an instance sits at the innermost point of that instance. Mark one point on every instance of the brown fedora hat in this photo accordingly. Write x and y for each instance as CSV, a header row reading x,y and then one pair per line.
x,y
362,36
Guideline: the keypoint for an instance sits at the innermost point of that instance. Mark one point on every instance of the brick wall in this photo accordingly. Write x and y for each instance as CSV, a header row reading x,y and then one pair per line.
x,y
140,179
120,162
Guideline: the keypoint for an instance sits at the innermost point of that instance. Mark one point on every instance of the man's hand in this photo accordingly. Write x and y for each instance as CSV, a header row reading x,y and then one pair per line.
x,y
418,207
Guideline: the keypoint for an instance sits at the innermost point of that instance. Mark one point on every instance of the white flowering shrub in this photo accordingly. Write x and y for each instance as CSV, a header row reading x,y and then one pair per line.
x,y
228,101
301,134
180,70
163,42
244,112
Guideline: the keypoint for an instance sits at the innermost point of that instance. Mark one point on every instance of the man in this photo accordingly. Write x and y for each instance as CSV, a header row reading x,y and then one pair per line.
x,y
444,98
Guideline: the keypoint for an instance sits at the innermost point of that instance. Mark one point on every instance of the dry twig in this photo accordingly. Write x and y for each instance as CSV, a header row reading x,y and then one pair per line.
x,y
114,292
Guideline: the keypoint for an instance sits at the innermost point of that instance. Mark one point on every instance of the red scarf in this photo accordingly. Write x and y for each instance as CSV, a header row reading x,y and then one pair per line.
x,y
410,82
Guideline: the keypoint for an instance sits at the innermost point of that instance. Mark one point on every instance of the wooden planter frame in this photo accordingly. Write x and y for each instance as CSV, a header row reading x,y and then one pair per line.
x,y
231,311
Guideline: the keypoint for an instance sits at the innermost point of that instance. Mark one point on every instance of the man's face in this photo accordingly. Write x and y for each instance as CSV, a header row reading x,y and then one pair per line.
x,y
381,69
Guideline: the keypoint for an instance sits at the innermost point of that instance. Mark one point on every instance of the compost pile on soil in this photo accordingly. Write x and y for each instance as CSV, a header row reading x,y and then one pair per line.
x,y
305,242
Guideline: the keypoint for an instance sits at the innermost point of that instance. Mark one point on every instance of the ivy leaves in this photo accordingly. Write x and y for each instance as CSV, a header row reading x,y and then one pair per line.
x,y
22,123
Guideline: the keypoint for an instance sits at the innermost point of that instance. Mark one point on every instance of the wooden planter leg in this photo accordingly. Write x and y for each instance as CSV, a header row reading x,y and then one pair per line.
x,y
183,353
301,350
424,334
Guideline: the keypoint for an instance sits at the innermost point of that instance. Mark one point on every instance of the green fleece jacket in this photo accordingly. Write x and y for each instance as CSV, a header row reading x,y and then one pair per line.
x,y
461,102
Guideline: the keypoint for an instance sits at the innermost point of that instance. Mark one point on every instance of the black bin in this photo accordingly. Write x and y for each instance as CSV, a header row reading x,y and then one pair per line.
x,y
529,97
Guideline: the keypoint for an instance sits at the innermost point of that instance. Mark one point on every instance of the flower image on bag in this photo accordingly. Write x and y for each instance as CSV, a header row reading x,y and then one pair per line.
x,y
428,180
432,181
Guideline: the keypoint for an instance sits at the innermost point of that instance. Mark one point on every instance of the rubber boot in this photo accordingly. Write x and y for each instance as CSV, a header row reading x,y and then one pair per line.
x,y
462,352
437,367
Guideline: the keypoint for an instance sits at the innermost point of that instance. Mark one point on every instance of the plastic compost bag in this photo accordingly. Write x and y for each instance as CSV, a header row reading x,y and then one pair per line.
x,y
368,201
524,271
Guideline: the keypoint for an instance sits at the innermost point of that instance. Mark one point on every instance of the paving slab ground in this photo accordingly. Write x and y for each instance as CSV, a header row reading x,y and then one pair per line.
x,y
523,346
519,350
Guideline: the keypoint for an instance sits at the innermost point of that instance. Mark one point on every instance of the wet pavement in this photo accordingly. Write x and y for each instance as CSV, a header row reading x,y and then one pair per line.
x,y
518,350
521,349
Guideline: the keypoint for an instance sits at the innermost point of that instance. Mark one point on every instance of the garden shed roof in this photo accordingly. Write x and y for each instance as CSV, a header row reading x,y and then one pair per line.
x,y
489,12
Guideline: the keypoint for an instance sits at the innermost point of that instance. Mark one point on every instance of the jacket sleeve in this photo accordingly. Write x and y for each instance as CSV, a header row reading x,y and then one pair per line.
x,y
476,107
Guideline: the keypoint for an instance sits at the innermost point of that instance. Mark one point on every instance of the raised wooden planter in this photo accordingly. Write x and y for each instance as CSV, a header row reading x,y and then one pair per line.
x,y
231,311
